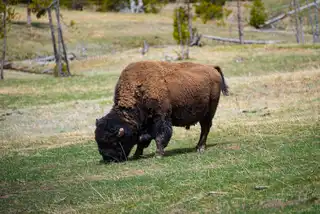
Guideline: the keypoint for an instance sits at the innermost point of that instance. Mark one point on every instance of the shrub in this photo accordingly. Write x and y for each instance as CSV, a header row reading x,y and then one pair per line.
x,y
154,6
208,10
63,69
258,14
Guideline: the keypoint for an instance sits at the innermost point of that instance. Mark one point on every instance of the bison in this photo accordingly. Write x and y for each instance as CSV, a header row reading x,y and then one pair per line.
x,y
151,97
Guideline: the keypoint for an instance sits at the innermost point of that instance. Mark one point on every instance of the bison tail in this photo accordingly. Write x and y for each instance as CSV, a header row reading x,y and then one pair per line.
x,y
224,86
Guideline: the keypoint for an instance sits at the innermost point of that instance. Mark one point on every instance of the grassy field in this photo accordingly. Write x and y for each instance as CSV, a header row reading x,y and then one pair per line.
x,y
266,133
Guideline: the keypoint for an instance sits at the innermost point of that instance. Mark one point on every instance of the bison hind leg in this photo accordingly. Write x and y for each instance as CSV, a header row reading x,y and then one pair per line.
x,y
205,128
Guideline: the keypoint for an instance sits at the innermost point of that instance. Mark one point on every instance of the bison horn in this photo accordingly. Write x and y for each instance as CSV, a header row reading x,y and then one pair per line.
x,y
96,122
121,132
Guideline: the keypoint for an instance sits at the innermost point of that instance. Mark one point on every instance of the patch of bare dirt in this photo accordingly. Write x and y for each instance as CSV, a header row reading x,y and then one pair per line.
x,y
233,147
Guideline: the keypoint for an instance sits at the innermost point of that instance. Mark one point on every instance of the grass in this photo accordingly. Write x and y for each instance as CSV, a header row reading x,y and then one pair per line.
x,y
69,179
264,134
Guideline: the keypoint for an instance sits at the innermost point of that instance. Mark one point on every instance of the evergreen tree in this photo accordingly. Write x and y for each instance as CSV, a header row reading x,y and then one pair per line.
x,y
258,14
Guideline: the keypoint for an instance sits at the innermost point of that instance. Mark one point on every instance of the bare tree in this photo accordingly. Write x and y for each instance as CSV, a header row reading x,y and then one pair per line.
x,y
53,38
74,4
300,21
311,23
316,18
133,6
294,5
180,34
189,21
29,13
4,44
239,22
291,12
61,44
140,7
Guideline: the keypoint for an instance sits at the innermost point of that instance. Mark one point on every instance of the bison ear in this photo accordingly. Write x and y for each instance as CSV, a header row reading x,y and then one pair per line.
x,y
121,132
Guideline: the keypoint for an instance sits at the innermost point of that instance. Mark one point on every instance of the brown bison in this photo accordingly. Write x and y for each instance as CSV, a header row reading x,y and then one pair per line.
x,y
151,97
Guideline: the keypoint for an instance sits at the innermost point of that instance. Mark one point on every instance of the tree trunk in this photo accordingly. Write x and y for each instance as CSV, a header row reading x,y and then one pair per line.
x,y
60,39
284,15
190,22
300,22
316,17
239,22
29,14
140,7
180,34
311,23
53,38
73,6
133,6
294,4
4,44
59,67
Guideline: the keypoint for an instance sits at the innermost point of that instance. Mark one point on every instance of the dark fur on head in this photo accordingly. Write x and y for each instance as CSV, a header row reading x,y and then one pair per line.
x,y
115,137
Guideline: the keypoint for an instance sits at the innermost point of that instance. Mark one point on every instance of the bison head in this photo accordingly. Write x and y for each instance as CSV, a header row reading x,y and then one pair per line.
x,y
115,138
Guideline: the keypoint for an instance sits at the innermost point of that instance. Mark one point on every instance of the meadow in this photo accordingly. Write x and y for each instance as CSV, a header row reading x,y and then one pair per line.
x,y
263,149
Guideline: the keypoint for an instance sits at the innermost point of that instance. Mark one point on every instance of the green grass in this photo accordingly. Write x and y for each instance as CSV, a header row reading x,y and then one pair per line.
x,y
54,90
71,178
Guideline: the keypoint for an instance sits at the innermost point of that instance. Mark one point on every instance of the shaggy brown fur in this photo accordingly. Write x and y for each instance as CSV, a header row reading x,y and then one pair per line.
x,y
163,94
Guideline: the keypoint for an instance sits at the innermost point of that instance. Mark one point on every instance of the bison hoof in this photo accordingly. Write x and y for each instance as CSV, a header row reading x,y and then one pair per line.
x,y
135,157
201,149
158,156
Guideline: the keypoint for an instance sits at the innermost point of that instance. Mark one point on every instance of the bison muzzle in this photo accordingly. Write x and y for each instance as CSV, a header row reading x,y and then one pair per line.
x,y
151,97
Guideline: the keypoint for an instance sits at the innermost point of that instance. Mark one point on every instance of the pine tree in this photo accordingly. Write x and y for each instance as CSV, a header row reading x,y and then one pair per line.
x,y
258,14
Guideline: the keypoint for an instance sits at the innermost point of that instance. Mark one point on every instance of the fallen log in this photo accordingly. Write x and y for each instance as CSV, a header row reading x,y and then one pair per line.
x,y
7,65
70,56
28,70
196,40
232,40
284,15
269,31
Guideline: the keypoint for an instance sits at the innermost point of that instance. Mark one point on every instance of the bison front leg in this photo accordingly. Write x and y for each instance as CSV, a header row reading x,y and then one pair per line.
x,y
163,130
144,142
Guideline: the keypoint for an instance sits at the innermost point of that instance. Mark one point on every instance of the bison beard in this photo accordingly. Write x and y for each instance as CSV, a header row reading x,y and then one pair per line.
x,y
151,97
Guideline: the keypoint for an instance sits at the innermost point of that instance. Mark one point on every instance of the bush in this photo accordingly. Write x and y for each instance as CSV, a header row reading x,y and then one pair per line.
x,y
208,10
63,69
154,6
258,14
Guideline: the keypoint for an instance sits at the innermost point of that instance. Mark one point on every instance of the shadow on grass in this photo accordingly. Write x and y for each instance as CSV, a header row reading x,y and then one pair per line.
x,y
178,151
39,25
172,152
